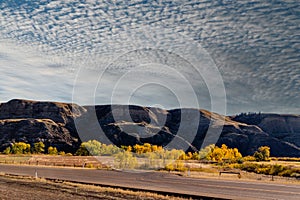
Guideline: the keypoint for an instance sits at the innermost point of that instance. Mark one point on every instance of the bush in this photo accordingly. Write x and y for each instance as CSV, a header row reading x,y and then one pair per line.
x,y
145,148
220,154
38,147
268,169
7,150
177,165
20,148
89,165
263,154
82,151
125,160
95,148
52,150
169,167
249,158
258,156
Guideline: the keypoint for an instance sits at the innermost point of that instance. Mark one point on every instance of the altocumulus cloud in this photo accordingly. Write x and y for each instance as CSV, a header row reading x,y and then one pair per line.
x,y
255,45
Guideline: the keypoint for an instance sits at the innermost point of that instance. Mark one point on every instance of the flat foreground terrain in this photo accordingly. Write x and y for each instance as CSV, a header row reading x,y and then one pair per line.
x,y
163,182
15,188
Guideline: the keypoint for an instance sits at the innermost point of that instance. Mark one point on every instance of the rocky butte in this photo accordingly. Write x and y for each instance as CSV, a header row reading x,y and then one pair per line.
x,y
66,125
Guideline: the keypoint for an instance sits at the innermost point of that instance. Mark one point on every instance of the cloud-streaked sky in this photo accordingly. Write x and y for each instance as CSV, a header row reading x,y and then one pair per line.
x,y
163,53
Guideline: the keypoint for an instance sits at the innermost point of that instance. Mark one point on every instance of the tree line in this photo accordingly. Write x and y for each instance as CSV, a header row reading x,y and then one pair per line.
x,y
95,148
36,148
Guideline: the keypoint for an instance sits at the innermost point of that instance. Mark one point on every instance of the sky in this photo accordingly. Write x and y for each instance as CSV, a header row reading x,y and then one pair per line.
x,y
227,56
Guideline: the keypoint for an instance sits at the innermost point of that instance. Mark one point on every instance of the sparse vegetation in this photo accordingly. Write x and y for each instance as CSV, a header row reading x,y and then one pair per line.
x,y
285,159
149,156
269,169
68,190
177,165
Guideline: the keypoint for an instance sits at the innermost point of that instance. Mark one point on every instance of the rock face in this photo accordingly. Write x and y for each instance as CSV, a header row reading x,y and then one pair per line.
x,y
33,121
283,128
66,125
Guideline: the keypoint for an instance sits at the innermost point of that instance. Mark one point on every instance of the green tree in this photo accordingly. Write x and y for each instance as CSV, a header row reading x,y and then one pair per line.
x,y
38,147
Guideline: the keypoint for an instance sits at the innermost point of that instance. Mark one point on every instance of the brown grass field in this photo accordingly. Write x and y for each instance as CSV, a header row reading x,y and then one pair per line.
x,y
104,162
50,160
16,187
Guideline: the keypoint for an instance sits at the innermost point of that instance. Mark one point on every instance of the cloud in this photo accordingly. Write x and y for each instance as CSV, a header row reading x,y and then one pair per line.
x,y
254,44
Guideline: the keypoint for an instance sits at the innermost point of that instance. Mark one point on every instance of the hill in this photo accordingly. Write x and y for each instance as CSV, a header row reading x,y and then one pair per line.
x,y
65,125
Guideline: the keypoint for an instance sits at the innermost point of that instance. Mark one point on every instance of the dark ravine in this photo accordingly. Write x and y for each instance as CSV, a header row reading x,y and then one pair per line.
x,y
65,126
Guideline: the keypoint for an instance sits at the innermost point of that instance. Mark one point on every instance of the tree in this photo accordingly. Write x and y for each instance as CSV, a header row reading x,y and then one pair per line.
x,y
82,151
125,160
38,147
263,154
258,156
7,150
205,153
52,150
265,150
20,148
219,154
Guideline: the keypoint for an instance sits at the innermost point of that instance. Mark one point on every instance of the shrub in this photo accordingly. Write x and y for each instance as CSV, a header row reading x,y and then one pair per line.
x,y
146,148
258,156
205,153
169,167
89,165
20,148
276,169
268,169
249,158
52,150
220,154
82,151
263,154
125,160
38,147
7,150
177,165
95,148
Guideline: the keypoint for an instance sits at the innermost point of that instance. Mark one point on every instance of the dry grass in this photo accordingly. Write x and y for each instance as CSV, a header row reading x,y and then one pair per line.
x,y
53,160
29,188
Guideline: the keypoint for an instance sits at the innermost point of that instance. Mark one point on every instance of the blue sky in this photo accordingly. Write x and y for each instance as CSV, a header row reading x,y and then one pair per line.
x,y
228,56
